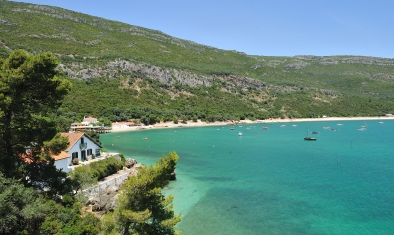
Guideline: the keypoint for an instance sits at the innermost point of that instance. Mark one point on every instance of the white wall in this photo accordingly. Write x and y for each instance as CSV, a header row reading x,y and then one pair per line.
x,y
62,163
76,148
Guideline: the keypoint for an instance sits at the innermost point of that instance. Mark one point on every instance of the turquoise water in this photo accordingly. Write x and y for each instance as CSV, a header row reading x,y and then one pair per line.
x,y
273,181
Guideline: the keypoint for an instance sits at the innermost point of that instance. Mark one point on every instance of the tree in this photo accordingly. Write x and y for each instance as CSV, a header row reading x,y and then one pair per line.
x,y
29,90
21,210
142,209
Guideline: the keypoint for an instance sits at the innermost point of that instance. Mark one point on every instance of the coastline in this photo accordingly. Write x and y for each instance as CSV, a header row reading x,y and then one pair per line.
x,y
199,123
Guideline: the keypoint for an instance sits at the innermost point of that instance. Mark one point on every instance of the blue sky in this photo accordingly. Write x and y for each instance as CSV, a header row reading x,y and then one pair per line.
x,y
259,27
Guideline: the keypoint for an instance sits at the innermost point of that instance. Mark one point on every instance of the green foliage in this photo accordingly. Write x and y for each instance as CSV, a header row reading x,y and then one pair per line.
x,y
68,220
85,176
122,157
45,177
21,209
29,91
82,177
56,144
104,168
317,85
142,209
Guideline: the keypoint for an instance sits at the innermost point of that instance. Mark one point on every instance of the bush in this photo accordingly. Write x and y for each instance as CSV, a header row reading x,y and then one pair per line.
x,y
67,201
93,156
75,161
104,168
122,158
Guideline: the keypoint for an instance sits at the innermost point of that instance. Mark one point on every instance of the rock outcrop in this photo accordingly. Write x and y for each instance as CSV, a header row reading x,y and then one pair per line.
x,y
104,196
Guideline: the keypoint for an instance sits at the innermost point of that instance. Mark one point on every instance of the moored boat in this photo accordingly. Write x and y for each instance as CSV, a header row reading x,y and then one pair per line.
x,y
307,137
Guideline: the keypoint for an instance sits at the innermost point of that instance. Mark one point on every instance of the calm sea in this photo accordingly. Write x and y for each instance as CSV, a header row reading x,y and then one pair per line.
x,y
273,181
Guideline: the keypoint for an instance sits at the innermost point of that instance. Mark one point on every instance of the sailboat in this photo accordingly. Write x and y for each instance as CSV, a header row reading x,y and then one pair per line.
x,y
307,137
362,127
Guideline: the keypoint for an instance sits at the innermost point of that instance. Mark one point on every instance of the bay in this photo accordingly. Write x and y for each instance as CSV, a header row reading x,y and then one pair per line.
x,y
273,181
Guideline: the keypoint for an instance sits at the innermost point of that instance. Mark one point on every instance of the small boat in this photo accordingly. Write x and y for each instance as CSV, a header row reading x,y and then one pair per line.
x,y
334,129
283,126
294,125
326,127
381,122
232,128
364,126
361,128
340,124
146,138
265,128
239,133
307,137
315,132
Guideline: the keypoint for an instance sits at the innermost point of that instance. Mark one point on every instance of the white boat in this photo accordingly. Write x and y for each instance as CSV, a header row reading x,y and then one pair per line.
x,y
239,133
365,126
265,128
283,126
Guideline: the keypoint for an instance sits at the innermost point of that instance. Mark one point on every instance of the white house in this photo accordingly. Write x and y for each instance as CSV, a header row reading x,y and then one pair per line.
x,y
89,120
80,146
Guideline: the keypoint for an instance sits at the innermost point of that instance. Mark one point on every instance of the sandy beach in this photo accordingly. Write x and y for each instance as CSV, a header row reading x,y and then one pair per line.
x,y
279,120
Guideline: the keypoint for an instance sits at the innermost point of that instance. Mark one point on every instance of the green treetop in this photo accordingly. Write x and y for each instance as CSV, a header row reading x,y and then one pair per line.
x,y
29,90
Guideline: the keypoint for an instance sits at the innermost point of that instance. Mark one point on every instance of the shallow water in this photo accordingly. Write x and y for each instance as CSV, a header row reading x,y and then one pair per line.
x,y
273,181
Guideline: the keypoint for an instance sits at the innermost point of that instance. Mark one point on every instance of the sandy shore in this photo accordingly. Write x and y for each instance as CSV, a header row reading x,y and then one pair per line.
x,y
201,124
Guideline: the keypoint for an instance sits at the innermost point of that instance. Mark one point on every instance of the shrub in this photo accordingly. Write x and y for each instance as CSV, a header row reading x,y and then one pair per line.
x,y
75,161
93,156
67,201
104,168
122,157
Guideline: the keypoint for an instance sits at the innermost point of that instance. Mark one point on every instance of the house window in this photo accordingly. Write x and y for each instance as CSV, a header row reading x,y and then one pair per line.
x,y
89,152
74,155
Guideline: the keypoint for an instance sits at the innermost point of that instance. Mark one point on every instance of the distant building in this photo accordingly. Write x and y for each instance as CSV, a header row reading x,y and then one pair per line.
x,y
86,125
89,120
120,125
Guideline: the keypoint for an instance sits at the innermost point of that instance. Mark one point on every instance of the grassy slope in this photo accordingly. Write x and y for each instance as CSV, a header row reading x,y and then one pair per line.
x,y
298,86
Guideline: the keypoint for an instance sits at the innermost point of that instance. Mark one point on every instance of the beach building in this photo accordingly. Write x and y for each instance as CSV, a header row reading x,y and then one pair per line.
x,y
80,146
89,120
122,125
87,125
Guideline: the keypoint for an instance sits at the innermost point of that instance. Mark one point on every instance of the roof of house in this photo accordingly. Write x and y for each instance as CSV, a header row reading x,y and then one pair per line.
x,y
73,138
90,119
60,156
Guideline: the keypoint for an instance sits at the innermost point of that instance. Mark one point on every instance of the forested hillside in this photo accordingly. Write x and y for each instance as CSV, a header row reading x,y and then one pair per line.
x,y
122,72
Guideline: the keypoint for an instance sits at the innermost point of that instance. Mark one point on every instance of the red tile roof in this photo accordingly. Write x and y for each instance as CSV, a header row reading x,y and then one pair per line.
x,y
60,156
73,137
90,119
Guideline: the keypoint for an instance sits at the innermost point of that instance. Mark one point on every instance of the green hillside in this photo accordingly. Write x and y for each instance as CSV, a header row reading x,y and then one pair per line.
x,y
121,72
